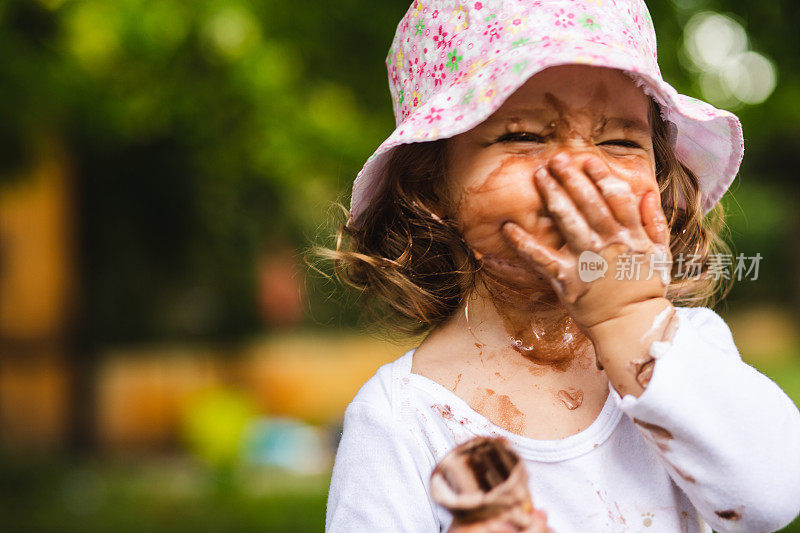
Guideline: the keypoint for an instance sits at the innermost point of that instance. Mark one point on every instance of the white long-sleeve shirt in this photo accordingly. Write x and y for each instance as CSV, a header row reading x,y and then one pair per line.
x,y
726,453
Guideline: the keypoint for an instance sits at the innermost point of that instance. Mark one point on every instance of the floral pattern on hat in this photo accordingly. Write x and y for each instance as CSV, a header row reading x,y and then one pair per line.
x,y
452,63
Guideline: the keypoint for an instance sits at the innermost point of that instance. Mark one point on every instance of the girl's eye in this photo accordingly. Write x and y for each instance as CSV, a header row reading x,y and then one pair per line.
x,y
621,142
520,136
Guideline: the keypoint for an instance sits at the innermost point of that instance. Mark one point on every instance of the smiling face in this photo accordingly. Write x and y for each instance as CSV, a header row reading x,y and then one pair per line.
x,y
578,110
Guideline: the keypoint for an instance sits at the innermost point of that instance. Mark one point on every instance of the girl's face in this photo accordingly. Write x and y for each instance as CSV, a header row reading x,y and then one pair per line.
x,y
579,110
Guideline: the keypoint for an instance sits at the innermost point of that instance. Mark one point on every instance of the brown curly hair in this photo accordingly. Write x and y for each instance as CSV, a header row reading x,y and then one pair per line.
x,y
418,268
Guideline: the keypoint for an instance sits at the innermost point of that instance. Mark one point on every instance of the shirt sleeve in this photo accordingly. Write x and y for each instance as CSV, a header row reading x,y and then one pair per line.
x,y
728,435
377,484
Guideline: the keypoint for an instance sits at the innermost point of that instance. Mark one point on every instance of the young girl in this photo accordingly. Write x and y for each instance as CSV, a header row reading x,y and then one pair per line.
x,y
530,213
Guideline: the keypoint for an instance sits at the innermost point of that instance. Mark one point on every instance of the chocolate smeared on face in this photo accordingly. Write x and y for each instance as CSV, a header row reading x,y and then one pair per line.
x,y
584,123
506,193
570,109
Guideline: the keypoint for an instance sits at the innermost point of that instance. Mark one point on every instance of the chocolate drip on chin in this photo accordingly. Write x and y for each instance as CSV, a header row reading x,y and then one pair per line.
x,y
538,326
547,341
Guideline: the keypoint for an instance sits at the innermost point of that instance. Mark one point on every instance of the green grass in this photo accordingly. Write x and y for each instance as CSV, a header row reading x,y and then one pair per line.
x,y
157,495
785,371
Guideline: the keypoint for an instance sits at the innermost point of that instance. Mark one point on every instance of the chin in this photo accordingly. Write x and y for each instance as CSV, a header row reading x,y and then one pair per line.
x,y
507,271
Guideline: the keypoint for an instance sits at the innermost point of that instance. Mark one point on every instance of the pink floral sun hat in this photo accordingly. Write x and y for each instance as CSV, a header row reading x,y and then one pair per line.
x,y
452,63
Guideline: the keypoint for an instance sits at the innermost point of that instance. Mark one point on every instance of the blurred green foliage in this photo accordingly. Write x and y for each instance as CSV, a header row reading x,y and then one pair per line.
x,y
203,132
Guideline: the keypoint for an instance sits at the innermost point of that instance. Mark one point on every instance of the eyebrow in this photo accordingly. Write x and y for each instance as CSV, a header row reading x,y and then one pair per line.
x,y
518,115
628,124
635,126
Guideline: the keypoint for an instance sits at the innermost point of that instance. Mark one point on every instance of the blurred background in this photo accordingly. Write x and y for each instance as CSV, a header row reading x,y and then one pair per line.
x,y
167,360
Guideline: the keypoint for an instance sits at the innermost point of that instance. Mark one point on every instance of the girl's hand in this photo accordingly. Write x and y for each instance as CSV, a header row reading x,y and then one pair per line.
x,y
500,524
603,223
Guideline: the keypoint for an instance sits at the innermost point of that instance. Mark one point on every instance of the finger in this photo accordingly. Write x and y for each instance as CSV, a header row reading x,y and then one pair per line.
x,y
570,221
544,257
653,219
584,193
617,192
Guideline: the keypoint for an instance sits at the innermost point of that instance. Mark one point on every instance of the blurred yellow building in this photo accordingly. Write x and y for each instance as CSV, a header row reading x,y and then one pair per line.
x,y
38,297
139,393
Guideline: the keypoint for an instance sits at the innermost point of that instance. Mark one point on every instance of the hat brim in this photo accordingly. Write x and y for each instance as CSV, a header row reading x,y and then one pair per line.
x,y
708,140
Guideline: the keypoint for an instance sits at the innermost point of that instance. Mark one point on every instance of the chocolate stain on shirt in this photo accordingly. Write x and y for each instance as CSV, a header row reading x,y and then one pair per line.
x,y
444,410
729,514
686,477
615,513
572,398
656,431
659,435
446,413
